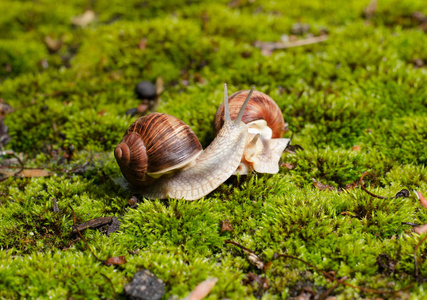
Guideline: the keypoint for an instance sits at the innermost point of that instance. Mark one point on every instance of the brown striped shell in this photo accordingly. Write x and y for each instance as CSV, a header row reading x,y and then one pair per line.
x,y
260,107
153,145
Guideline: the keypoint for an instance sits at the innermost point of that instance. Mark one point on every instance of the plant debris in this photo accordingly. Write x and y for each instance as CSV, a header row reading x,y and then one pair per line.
x,y
370,10
21,164
321,186
420,197
94,223
268,47
386,265
55,205
34,173
202,289
419,229
300,28
356,148
133,202
145,286
84,19
402,194
52,44
226,226
5,109
292,149
288,166
252,256
260,283
4,136
113,226
117,260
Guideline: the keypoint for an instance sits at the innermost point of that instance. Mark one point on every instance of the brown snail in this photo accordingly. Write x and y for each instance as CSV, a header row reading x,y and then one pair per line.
x,y
161,156
266,127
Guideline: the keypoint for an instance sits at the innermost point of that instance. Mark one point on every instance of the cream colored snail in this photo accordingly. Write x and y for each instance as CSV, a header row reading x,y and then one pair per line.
x,y
161,156
266,127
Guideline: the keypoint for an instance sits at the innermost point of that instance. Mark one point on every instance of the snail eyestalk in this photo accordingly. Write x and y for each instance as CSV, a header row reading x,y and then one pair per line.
x,y
242,109
226,110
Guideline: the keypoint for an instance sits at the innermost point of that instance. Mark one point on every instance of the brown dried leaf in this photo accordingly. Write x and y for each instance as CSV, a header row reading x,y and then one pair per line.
x,y
84,19
420,197
420,229
288,166
322,186
202,289
34,173
356,148
115,261
226,226
52,45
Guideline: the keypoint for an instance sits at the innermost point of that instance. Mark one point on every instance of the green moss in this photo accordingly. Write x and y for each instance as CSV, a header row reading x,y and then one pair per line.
x,y
365,86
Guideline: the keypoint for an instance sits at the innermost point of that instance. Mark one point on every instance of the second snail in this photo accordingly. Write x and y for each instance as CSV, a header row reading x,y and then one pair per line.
x,y
161,157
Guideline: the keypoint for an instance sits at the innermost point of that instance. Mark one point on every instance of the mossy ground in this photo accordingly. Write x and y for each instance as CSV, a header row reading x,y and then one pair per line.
x,y
362,87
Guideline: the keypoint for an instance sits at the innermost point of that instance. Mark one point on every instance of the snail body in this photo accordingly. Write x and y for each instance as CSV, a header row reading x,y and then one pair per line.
x,y
197,173
266,127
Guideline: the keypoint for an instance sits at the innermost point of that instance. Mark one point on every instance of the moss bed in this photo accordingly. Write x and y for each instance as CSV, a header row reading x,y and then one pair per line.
x,y
355,102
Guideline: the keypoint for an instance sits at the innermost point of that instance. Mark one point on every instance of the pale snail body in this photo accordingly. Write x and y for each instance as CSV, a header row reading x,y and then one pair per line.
x,y
266,127
198,174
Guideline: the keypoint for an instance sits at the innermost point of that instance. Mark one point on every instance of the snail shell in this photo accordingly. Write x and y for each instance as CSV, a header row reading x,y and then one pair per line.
x,y
262,114
154,145
266,127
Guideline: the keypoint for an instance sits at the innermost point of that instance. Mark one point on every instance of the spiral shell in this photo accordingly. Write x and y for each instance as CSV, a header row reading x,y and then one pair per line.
x,y
155,145
260,107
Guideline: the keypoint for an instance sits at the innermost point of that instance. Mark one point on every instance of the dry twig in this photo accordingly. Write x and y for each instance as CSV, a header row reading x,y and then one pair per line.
x,y
270,46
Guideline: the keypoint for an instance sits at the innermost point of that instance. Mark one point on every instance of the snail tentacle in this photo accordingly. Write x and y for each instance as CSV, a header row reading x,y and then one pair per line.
x,y
226,110
242,109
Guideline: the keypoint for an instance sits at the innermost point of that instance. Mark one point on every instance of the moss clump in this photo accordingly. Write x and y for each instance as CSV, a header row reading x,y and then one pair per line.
x,y
355,102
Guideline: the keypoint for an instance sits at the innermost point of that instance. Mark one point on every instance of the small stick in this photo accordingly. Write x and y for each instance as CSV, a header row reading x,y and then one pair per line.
x,y
403,193
363,187
55,205
279,45
92,223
